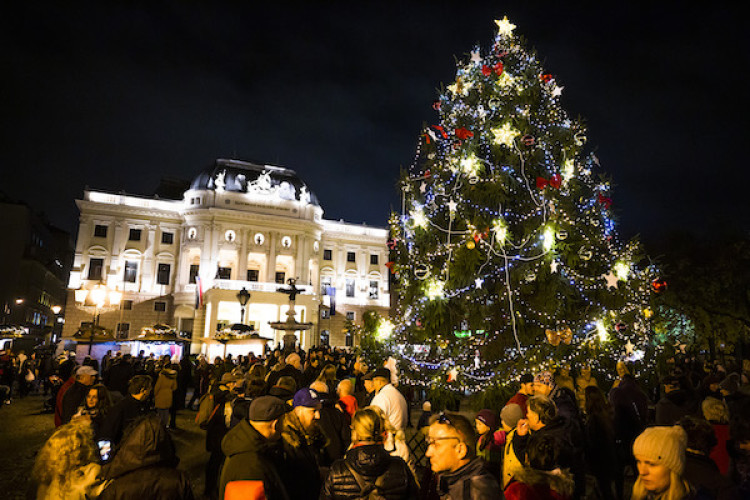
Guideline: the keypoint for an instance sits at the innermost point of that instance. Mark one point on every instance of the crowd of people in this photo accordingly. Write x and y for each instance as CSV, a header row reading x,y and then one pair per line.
x,y
323,424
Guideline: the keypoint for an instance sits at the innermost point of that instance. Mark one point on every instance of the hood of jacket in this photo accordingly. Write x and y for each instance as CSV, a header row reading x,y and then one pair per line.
x,y
243,438
561,482
369,460
148,444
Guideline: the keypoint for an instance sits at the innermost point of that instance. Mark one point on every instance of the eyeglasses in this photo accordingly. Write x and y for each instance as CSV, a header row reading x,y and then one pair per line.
x,y
431,441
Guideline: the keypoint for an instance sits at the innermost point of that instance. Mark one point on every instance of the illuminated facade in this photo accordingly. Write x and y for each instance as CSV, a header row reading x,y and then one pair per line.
x,y
239,225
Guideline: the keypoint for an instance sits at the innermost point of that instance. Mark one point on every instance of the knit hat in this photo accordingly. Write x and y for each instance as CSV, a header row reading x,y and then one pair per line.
x,y
511,414
426,406
715,410
488,418
664,446
545,378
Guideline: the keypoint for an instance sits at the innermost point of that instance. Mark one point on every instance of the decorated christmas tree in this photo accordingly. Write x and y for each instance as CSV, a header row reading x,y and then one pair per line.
x,y
505,256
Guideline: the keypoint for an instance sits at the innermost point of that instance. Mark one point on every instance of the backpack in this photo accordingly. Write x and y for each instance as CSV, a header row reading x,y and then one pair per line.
x,y
206,410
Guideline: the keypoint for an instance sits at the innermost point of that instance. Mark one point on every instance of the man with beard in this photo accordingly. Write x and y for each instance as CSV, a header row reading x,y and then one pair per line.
x,y
301,440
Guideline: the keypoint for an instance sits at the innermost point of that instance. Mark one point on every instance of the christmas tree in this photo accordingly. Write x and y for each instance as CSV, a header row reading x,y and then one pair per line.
x,y
505,256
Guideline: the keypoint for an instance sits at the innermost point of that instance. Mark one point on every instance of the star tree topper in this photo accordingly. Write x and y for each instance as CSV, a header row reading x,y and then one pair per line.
x,y
505,27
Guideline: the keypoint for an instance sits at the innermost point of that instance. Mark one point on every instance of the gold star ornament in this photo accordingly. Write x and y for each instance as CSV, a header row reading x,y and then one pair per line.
x,y
505,27
505,134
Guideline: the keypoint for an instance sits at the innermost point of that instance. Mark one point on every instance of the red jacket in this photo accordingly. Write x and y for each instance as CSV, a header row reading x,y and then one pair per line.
x,y
520,400
719,454
58,402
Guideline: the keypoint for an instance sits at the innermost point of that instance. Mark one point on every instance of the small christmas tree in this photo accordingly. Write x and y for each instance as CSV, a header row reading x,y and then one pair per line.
x,y
504,255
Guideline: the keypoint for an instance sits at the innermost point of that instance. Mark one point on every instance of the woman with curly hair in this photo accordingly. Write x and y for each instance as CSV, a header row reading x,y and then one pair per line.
x,y
66,467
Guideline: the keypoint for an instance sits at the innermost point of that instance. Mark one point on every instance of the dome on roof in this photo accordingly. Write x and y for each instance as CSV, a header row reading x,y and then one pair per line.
x,y
245,177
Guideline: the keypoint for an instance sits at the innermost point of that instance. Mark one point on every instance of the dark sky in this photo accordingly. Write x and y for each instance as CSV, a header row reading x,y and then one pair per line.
x,y
115,96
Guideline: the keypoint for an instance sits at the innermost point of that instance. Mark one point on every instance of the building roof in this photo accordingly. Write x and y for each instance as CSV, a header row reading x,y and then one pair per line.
x,y
242,176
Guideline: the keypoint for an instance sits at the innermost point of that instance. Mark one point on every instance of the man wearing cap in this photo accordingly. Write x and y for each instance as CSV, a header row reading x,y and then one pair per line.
x,y
216,429
389,399
74,396
255,454
524,392
302,442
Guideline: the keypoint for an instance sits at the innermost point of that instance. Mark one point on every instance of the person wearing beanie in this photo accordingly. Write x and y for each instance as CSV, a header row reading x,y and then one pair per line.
x,y
424,418
488,449
509,417
660,459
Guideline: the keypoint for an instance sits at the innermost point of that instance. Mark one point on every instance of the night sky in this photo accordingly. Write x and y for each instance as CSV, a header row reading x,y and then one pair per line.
x,y
115,97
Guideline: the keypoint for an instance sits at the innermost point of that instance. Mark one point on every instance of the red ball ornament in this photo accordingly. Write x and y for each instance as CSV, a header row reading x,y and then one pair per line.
x,y
436,105
463,134
498,68
659,285
486,70
546,78
621,327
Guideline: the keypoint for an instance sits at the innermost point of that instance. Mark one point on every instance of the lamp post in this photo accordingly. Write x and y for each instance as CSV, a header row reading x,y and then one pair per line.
x,y
98,296
243,297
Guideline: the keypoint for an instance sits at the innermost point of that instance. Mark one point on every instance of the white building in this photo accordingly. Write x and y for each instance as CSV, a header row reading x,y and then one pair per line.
x,y
239,225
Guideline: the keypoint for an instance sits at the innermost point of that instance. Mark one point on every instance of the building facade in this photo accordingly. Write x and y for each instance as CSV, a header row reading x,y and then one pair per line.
x,y
239,225
35,259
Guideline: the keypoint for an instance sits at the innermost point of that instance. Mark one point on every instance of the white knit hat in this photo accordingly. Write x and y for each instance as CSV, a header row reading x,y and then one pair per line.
x,y
664,446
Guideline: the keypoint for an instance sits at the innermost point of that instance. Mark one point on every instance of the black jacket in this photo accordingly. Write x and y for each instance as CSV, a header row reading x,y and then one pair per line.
x,y
471,482
335,428
301,460
146,467
287,371
675,405
122,414
118,376
389,476
217,428
252,457
703,475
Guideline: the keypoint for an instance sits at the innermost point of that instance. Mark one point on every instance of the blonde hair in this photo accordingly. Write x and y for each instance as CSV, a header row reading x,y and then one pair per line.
x,y
387,425
715,410
368,425
70,447
678,489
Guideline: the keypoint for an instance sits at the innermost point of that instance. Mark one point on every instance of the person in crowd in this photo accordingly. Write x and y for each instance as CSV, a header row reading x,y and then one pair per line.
x,y
120,374
67,366
709,387
676,402
95,407
254,465
67,466
584,380
311,371
128,409
27,375
630,407
394,441
660,458
509,417
301,440
166,385
347,400
201,380
525,391
284,389
426,415
365,397
292,368
563,378
184,380
327,375
542,478
735,399
716,413
367,468
541,420
389,399
601,449
563,397
488,449
622,369
145,465
67,384
333,424
75,395
216,428
739,452
700,470
460,474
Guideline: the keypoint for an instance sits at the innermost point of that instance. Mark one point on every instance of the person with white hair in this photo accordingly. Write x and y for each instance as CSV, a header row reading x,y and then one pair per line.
x,y
292,368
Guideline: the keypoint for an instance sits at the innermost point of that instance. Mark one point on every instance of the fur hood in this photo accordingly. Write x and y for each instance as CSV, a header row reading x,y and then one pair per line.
x,y
559,481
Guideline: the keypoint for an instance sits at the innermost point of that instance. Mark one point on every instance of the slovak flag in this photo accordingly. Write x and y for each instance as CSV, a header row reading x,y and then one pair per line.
x,y
198,292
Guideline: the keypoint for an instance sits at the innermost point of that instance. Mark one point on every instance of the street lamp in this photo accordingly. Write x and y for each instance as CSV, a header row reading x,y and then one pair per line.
x,y
243,297
98,296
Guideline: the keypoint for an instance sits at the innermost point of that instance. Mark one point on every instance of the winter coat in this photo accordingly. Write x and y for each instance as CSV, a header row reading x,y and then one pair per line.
x,y
389,476
165,386
122,414
601,449
287,371
74,397
301,458
630,406
719,453
217,428
334,426
533,484
145,466
252,457
675,405
491,452
511,462
704,476
471,482
118,377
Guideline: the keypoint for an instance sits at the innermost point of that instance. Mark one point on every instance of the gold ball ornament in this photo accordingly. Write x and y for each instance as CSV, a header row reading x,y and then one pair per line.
x,y
470,245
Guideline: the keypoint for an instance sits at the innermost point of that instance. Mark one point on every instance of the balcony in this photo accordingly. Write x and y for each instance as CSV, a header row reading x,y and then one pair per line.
x,y
258,286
